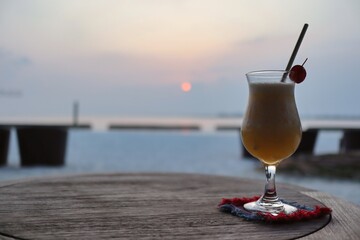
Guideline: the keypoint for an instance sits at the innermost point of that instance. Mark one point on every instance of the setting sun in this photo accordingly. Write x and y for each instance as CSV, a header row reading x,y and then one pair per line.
x,y
186,86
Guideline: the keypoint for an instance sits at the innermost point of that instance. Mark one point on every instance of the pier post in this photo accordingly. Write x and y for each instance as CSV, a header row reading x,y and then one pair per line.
x,y
4,144
42,145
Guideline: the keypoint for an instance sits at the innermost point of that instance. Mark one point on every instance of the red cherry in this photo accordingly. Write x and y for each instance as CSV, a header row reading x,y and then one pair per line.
x,y
297,73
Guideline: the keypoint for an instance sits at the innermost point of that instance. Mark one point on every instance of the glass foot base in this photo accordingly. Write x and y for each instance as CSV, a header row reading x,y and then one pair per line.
x,y
272,208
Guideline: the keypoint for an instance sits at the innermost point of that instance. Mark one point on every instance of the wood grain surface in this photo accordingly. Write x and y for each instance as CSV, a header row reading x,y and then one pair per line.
x,y
345,219
142,206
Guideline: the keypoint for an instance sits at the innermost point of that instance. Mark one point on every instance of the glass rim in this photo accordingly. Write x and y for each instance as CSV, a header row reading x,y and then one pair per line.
x,y
264,72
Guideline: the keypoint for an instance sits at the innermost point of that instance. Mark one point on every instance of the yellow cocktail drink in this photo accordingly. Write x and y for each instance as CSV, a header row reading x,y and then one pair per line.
x,y
271,129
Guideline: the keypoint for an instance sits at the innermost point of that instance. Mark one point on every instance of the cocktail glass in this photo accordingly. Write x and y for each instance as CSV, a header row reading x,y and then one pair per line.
x,y
271,131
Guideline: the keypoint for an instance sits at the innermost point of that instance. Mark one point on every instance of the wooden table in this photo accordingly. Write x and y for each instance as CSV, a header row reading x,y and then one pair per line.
x,y
155,206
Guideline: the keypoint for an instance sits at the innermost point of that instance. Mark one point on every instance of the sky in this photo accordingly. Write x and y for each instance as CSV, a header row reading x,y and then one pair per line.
x,y
132,57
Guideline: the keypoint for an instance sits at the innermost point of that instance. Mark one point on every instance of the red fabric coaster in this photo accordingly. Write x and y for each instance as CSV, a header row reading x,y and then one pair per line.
x,y
235,207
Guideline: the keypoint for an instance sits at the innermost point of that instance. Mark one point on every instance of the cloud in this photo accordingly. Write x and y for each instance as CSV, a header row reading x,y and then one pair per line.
x,y
11,64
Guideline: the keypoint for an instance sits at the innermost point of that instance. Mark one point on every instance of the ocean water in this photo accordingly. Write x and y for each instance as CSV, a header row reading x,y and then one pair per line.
x,y
206,152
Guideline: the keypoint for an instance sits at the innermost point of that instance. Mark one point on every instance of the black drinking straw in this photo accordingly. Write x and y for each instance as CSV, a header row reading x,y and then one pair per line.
x,y
293,55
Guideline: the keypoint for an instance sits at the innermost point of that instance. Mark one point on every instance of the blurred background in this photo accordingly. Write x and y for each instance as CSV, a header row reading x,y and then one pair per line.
x,y
130,58
171,62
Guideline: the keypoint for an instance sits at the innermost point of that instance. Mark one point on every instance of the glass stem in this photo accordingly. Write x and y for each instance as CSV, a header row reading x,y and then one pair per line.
x,y
270,195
